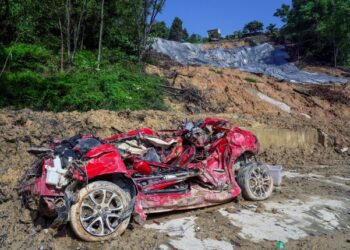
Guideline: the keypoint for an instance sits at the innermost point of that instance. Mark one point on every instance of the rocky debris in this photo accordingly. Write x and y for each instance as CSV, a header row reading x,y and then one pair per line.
x,y
260,208
4,194
342,150
193,99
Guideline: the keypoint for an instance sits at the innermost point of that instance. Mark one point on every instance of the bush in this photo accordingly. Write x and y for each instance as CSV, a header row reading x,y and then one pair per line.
x,y
32,81
249,79
88,59
21,88
115,89
118,56
216,70
85,60
30,56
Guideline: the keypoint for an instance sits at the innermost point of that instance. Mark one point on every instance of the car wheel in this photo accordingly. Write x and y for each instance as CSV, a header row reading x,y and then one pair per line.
x,y
100,212
255,181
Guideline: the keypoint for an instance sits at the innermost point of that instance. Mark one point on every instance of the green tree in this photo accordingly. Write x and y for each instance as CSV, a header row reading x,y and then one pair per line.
x,y
283,12
318,28
238,34
194,38
335,27
7,21
176,30
38,39
185,34
272,31
71,25
160,30
147,12
253,27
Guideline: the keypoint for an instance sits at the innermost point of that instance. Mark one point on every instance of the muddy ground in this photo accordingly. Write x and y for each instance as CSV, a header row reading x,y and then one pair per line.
x,y
211,228
309,211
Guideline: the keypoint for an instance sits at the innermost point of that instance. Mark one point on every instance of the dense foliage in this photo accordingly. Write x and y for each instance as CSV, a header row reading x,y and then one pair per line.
x,y
318,28
194,38
272,30
177,32
32,82
75,24
250,29
253,27
161,30
77,54
88,54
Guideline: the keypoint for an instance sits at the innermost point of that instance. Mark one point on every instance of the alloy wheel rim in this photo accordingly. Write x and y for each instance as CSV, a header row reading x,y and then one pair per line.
x,y
259,182
100,212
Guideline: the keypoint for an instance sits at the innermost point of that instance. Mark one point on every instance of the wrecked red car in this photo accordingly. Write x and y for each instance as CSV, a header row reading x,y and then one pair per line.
x,y
99,184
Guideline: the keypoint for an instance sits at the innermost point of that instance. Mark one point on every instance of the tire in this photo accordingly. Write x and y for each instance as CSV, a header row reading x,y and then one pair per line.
x,y
255,182
94,219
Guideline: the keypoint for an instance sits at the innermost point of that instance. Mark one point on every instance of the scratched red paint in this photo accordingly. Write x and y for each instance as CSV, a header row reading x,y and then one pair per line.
x,y
215,169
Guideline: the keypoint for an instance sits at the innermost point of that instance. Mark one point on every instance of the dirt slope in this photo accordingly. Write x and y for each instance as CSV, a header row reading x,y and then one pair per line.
x,y
230,90
206,91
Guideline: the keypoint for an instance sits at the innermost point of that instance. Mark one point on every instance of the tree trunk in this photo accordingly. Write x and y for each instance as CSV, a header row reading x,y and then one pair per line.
x,y
8,58
68,8
82,39
151,9
7,15
143,35
4,66
336,51
100,38
77,29
62,44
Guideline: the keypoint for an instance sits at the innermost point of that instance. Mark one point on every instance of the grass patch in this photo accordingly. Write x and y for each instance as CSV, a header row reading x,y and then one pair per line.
x,y
217,71
249,79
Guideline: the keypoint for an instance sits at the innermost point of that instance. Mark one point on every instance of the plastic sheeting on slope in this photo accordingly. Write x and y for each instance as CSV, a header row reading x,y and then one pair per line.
x,y
263,58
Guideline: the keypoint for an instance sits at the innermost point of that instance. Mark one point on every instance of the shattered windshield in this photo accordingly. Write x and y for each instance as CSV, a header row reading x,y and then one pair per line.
x,y
85,145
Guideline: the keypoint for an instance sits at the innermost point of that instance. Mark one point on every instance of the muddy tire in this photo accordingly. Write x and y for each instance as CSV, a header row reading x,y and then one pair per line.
x,y
101,212
255,182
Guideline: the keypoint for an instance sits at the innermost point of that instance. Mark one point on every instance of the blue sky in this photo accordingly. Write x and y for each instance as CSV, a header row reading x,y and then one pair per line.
x,y
229,15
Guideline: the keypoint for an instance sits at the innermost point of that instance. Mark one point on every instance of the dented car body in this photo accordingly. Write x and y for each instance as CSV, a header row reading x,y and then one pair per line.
x,y
99,184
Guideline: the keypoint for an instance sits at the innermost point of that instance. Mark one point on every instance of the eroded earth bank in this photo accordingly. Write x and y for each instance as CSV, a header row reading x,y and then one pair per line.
x,y
304,128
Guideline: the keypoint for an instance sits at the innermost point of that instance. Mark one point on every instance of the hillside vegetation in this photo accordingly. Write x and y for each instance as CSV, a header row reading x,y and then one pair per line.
x,y
90,54
33,81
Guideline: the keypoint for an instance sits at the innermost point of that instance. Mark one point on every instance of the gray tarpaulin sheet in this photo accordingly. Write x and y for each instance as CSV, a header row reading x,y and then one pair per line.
x,y
264,59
